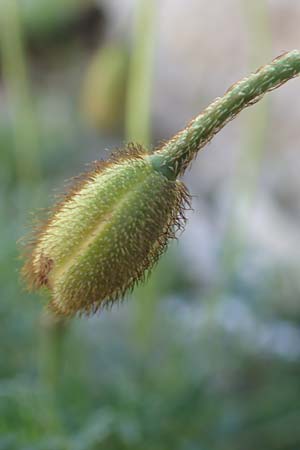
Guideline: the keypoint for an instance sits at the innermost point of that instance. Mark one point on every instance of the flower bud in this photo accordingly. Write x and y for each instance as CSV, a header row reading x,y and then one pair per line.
x,y
102,238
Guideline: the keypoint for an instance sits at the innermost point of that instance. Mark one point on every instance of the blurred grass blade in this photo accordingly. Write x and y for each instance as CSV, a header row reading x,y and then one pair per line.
x,y
138,109
18,92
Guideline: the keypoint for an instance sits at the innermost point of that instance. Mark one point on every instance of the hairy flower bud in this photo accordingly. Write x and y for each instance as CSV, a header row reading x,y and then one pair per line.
x,y
106,233
104,236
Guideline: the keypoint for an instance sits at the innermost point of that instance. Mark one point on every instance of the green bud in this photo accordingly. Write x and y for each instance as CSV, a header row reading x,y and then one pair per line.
x,y
111,228
104,236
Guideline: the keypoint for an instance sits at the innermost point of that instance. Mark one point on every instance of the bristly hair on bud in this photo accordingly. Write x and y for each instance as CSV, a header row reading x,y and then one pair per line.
x,y
109,230
106,233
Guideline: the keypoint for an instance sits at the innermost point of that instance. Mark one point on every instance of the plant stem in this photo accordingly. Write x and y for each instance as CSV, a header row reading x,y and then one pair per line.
x,y
173,158
254,136
138,102
15,74
52,334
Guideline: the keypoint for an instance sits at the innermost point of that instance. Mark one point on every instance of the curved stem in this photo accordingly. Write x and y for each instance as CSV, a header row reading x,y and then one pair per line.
x,y
173,158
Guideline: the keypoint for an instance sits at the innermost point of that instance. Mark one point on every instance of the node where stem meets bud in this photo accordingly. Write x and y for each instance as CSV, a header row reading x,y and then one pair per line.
x,y
110,229
173,158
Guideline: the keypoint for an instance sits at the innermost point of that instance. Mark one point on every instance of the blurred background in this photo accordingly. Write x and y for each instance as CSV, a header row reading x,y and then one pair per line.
x,y
205,355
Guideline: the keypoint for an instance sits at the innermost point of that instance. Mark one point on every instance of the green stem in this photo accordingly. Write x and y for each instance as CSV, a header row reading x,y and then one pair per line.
x,y
16,82
254,136
52,334
138,102
173,158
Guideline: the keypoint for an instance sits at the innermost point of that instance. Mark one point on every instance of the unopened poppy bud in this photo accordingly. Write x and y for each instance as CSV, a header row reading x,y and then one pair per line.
x,y
104,236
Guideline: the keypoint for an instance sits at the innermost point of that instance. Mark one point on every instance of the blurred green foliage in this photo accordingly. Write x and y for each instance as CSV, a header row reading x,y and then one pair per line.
x,y
45,21
179,366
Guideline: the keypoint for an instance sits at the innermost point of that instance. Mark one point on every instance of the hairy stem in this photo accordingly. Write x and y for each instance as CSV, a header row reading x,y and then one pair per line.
x,y
173,158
